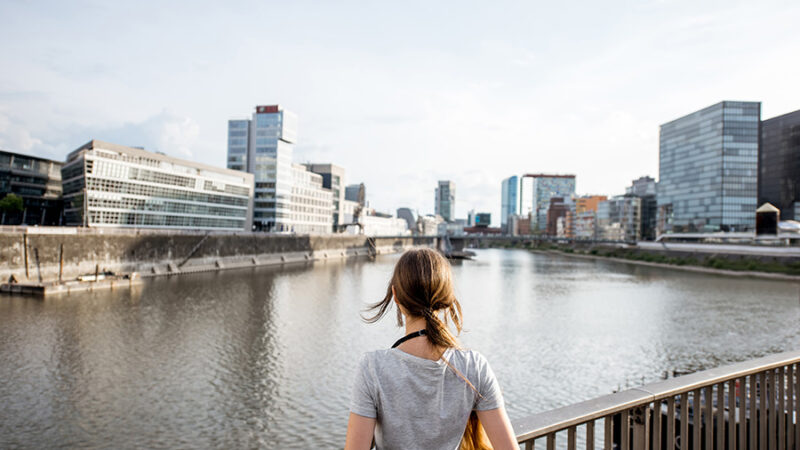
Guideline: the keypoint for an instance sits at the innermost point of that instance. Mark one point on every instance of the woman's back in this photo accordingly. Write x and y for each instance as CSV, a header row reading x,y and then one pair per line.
x,y
422,403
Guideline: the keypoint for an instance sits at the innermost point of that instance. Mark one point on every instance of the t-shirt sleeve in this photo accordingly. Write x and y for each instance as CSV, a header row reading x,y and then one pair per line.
x,y
491,397
362,401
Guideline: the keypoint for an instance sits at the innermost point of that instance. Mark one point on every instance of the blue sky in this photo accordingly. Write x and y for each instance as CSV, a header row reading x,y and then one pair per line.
x,y
401,94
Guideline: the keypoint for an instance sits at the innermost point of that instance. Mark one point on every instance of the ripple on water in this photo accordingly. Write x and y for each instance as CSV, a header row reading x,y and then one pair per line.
x,y
265,357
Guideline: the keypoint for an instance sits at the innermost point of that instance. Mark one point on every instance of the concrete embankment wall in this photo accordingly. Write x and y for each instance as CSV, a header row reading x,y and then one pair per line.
x,y
165,252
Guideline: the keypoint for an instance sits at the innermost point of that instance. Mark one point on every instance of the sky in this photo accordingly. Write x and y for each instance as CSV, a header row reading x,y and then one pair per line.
x,y
400,94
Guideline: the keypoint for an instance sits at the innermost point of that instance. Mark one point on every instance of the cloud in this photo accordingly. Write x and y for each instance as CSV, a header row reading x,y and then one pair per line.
x,y
165,132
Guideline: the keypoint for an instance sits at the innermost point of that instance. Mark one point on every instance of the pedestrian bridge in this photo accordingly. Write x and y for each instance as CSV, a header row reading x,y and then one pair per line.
x,y
748,405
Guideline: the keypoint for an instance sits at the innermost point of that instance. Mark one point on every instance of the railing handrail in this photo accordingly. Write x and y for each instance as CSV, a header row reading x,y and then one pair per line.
x,y
541,424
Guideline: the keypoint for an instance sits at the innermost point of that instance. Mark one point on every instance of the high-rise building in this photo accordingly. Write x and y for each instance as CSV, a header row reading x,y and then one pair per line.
x,y
446,200
509,200
333,179
37,181
708,163
645,189
263,146
110,185
544,188
779,164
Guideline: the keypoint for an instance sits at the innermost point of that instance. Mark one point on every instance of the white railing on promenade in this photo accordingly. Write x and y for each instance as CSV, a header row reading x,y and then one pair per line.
x,y
748,405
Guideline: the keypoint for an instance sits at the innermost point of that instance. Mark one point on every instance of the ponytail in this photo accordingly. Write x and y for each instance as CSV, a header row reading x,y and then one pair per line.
x,y
424,288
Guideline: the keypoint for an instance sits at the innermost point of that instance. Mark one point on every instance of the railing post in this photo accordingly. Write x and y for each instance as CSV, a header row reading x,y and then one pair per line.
x,y
641,426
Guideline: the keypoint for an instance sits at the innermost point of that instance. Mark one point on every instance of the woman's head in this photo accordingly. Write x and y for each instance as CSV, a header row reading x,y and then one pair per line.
x,y
423,287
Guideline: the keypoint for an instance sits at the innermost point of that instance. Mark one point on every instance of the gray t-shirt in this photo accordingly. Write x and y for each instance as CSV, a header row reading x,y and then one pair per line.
x,y
420,403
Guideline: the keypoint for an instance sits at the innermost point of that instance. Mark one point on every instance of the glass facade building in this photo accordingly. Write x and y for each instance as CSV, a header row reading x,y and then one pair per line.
x,y
509,200
619,219
779,164
263,146
109,185
544,188
446,200
708,169
37,181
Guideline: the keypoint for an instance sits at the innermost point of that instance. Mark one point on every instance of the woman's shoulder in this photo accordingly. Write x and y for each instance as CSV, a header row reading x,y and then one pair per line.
x,y
468,358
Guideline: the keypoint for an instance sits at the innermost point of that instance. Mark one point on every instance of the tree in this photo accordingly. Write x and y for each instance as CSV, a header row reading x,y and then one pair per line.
x,y
11,203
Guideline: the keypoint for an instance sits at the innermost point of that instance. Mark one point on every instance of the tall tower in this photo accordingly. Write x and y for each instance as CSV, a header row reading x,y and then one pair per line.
x,y
263,146
509,203
445,204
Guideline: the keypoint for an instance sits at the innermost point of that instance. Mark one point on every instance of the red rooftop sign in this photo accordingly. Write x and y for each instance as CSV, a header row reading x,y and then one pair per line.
x,y
267,109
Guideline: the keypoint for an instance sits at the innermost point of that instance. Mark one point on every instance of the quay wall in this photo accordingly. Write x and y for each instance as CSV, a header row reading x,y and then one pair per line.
x,y
151,252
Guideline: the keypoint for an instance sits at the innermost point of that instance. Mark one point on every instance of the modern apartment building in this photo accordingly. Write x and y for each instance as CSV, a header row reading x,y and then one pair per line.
x,y
263,146
110,185
619,219
509,200
708,169
645,189
544,188
779,164
37,181
445,205
332,179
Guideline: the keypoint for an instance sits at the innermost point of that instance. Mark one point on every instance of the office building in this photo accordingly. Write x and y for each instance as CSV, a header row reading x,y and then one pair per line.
x,y
483,220
779,165
544,188
509,200
446,200
619,219
37,181
311,204
110,185
708,162
645,189
263,146
333,179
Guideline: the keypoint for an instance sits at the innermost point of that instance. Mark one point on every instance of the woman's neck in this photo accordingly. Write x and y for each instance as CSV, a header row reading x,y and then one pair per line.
x,y
420,347
414,324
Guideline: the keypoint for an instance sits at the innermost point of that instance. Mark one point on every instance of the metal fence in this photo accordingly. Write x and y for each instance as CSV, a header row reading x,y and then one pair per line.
x,y
753,404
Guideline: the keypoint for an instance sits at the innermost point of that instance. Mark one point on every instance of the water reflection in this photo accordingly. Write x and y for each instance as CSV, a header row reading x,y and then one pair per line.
x,y
265,357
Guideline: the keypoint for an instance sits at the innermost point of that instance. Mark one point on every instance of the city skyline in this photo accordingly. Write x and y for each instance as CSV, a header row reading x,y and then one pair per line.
x,y
538,97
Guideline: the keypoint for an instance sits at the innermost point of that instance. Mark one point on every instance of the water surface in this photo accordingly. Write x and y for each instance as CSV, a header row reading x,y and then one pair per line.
x,y
265,357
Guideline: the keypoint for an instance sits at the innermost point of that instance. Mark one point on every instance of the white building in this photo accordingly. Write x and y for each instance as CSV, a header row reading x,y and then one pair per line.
x,y
311,205
380,226
429,225
110,185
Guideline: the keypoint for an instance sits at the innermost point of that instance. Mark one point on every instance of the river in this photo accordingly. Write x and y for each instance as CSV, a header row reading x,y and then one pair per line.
x,y
264,357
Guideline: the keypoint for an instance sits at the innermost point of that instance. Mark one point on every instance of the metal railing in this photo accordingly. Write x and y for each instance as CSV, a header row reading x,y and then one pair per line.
x,y
753,404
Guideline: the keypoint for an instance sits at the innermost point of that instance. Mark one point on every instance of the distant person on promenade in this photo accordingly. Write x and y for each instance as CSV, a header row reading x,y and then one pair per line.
x,y
426,392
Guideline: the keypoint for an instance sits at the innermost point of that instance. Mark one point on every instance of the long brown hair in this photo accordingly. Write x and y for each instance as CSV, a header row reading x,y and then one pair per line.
x,y
423,286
